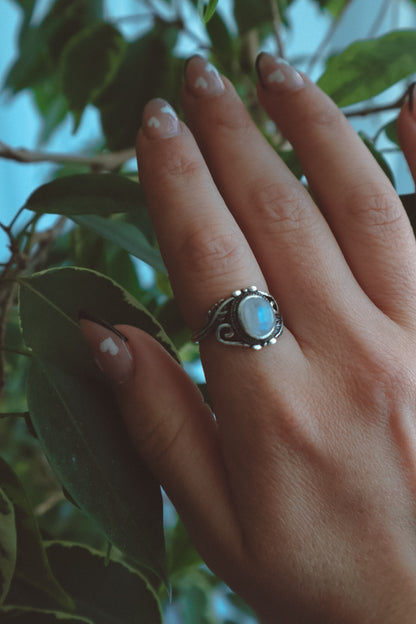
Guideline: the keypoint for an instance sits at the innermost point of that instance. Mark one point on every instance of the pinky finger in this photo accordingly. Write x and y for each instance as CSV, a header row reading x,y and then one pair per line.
x,y
173,431
406,128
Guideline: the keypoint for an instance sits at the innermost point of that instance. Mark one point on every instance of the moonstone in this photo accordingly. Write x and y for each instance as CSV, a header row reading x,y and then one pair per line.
x,y
256,316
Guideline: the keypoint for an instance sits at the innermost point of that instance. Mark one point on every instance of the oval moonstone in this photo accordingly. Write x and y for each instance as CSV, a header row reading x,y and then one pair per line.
x,y
256,316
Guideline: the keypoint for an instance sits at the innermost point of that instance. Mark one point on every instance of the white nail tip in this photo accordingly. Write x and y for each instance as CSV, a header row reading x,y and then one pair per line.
x,y
168,110
153,122
211,68
276,76
201,82
109,345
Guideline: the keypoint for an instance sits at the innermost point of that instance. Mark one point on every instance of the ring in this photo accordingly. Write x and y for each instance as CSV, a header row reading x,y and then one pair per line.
x,y
249,318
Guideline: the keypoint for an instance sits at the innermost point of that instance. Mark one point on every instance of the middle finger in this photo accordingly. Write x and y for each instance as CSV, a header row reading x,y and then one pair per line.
x,y
297,251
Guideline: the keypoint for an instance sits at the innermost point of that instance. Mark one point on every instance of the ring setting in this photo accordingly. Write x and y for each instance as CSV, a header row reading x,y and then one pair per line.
x,y
249,318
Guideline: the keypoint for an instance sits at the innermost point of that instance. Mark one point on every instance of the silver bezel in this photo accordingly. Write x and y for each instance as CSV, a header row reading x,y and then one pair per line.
x,y
223,319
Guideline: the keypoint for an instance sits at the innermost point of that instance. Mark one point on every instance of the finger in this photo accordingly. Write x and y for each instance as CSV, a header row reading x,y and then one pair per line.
x,y
204,250
173,430
356,197
279,219
406,128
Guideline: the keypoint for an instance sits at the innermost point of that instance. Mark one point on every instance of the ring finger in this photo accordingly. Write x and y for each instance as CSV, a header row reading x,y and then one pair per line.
x,y
205,251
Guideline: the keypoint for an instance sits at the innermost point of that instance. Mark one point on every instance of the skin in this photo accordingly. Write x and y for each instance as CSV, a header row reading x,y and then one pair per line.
x,y
301,493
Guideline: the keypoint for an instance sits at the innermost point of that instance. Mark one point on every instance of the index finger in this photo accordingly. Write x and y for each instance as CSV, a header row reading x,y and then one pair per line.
x,y
206,254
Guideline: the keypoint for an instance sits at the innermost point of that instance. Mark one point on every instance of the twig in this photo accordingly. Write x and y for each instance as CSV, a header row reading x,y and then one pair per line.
x,y
49,503
18,351
16,216
362,112
379,19
102,162
44,240
325,41
277,24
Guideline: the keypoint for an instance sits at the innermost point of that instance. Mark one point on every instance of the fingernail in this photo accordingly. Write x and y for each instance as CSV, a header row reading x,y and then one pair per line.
x,y
160,120
202,78
277,75
109,347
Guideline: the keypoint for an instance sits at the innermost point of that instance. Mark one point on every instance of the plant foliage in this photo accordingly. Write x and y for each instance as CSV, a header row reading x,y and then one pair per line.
x,y
82,537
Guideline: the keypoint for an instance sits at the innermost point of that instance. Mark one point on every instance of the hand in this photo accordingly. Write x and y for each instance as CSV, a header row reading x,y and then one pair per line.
x,y
301,493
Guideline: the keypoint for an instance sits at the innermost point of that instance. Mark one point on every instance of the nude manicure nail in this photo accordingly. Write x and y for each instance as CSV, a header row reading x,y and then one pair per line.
x,y
202,78
159,120
109,347
277,75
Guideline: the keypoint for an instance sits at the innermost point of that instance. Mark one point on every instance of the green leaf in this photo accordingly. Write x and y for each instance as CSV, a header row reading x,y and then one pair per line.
x,y
224,45
250,14
89,193
89,63
33,63
32,564
65,19
127,236
29,615
27,6
378,156
104,592
182,555
40,47
7,544
391,132
208,12
194,599
52,105
335,7
76,415
366,68
145,72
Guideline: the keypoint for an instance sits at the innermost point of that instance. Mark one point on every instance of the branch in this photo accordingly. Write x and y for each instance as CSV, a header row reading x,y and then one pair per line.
x,y
14,414
18,351
101,162
408,95
275,9
333,27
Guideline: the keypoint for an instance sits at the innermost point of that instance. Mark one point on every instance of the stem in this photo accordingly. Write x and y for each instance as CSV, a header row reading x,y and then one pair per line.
x,y
18,351
103,162
379,18
17,215
327,38
408,94
276,11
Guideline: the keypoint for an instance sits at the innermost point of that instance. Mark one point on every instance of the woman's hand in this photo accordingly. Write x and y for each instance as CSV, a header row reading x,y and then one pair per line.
x,y
301,493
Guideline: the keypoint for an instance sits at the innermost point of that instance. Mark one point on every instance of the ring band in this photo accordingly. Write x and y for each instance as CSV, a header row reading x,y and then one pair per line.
x,y
249,318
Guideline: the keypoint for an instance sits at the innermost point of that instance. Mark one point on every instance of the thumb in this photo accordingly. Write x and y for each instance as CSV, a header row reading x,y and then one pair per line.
x,y
406,129
172,428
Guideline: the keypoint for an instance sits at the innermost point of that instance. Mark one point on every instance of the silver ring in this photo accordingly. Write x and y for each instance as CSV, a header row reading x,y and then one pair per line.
x,y
249,318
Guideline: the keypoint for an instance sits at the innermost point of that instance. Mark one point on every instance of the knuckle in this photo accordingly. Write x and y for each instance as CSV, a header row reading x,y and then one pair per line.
x,y
177,164
156,439
232,119
386,379
209,254
373,206
327,117
282,207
